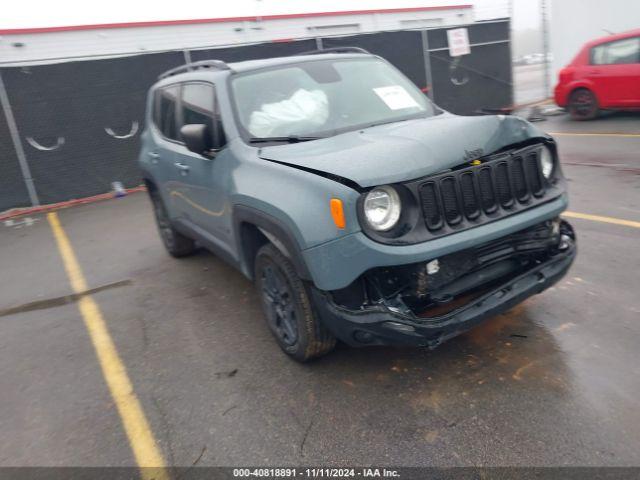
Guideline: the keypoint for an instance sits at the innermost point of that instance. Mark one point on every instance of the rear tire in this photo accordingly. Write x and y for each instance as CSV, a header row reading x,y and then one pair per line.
x,y
583,104
288,307
176,244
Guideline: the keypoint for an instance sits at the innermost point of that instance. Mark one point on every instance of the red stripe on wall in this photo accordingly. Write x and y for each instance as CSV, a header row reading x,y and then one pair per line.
x,y
17,31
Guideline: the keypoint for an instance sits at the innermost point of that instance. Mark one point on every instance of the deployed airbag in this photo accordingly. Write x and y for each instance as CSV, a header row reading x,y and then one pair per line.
x,y
303,113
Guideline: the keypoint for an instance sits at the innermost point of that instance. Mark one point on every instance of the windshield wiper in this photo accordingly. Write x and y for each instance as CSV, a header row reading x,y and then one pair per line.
x,y
287,139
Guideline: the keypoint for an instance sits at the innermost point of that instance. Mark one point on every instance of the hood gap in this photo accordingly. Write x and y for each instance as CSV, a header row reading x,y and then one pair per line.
x,y
336,178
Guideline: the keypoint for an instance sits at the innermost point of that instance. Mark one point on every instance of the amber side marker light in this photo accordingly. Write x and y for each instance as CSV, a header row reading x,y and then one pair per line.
x,y
337,212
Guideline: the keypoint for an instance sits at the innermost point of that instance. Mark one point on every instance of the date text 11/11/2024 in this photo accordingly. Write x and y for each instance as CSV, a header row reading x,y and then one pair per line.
x,y
315,472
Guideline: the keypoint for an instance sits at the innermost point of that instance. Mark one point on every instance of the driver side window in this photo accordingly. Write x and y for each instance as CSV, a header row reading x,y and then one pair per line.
x,y
199,105
166,100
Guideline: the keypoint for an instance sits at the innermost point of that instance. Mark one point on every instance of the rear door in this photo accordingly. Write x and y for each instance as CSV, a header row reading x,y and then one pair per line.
x,y
207,178
615,72
167,145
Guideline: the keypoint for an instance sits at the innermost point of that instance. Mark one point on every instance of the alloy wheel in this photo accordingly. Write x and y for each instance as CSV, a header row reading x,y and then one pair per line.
x,y
583,103
278,299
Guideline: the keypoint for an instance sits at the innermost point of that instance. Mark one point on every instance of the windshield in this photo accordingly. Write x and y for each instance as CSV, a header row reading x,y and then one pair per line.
x,y
323,97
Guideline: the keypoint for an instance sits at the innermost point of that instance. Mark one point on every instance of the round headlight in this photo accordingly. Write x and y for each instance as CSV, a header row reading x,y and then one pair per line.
x,y
382,208
546,162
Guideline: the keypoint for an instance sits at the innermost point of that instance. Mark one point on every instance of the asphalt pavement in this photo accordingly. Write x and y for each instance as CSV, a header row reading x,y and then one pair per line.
x,y
554,381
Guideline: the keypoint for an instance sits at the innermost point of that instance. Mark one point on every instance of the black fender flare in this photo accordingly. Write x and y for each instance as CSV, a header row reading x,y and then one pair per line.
x,y
277,233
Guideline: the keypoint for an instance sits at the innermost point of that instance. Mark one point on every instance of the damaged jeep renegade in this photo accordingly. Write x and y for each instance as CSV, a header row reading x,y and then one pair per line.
x,y
361,210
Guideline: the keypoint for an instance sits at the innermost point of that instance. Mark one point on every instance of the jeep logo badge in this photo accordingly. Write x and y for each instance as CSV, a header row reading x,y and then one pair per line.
x,y
473,154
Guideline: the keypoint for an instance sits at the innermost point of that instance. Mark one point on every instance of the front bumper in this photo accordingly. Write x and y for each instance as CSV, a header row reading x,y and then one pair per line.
x,y
336,264
560,95
381,326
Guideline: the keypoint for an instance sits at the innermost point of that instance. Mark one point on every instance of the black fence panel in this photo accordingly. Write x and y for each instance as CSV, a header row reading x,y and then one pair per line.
x,y
467,84
13,192
481,32
403,49
254,52
80,122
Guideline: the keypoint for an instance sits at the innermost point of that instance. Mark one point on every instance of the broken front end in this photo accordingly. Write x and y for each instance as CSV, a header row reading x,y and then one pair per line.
x,y
429,302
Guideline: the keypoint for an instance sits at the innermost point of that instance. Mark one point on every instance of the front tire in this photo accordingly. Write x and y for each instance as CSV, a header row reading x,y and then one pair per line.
x,y
583,104
288,307
176,244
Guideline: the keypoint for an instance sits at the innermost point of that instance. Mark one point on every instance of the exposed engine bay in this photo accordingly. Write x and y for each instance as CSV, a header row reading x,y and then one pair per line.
x,y
438,286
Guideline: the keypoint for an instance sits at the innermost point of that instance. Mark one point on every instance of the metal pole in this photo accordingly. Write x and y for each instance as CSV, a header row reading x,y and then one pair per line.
x,y
187,56
17,144
427,62
318,43
545,46
511,50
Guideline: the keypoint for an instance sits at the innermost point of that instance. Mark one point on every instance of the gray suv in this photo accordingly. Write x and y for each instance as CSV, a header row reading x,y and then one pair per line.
x,y
361,210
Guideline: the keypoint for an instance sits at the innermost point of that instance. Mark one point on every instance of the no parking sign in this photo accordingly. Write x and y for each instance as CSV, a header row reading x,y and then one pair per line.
x,y
458,42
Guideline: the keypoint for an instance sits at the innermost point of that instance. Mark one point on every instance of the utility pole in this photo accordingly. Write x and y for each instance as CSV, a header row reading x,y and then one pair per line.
x,y
511,50
17,145
545,45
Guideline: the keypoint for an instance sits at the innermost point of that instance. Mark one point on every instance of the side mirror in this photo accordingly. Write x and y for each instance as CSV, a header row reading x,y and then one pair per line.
x,y
197,137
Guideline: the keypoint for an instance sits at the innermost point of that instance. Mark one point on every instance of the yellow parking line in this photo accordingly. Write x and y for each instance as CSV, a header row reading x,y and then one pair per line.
x,y
594,134
600,218
143,444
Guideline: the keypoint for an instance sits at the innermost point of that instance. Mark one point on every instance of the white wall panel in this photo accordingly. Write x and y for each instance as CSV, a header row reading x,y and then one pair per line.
x,y
49,46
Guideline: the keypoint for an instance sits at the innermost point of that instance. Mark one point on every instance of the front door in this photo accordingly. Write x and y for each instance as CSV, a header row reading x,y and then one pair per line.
x,y
204,198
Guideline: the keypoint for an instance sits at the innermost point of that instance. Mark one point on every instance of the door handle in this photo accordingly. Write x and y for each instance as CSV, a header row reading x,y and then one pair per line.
x,y
182,167
154,157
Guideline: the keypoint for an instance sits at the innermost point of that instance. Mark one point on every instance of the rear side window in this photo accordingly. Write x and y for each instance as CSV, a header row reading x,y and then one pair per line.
x,y
199,106
619,52
166,102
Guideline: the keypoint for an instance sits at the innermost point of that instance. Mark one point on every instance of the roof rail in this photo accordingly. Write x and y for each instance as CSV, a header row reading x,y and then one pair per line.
x,y
213,64
334,50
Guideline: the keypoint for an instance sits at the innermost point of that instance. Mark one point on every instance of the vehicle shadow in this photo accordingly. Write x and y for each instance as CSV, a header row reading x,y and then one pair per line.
x,y
503,374
620,114
604,118
509,349
507,372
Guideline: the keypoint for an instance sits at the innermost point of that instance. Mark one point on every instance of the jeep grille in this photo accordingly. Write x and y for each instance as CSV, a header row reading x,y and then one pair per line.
x,y
503,184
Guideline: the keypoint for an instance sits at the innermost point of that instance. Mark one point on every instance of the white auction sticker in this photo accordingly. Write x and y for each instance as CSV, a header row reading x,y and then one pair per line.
x,y
396,97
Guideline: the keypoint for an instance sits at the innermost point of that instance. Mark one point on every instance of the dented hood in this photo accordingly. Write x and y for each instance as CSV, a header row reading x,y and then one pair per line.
x,y
404,150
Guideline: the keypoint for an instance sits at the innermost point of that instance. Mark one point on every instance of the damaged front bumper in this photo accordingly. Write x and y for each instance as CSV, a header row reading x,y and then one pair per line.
x,y
476,296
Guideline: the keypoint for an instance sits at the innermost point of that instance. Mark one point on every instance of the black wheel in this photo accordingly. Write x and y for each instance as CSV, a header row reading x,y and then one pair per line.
x,y
176,244
288,307
583,104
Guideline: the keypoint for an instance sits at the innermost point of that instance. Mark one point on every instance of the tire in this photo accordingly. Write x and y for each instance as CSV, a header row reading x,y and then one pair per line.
x,y
176,244
288,307
583,104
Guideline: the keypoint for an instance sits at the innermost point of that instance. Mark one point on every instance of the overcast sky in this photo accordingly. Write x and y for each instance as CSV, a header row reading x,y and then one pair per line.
x,y
48,13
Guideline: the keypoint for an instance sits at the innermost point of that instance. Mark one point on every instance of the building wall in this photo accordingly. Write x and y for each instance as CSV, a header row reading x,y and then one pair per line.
x,y
574,22
31,47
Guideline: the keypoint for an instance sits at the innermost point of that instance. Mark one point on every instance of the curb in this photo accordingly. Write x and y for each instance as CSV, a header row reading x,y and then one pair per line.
x,y
17,212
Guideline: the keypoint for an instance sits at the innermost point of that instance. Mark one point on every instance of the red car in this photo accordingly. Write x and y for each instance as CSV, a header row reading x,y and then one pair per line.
x,y
604,75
